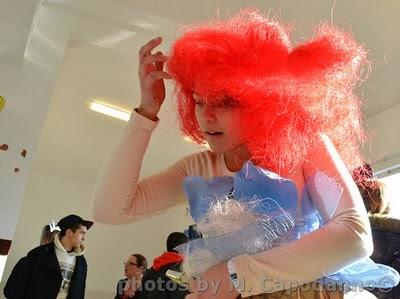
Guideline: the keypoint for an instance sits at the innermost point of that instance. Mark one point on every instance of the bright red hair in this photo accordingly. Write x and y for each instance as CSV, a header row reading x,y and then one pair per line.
x,y
288,96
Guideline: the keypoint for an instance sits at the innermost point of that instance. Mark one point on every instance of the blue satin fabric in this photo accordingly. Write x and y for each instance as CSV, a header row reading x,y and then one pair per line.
x,y
273,201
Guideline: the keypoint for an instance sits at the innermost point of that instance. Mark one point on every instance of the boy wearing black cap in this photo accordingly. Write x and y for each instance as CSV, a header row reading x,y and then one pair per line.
x,y
58,269
155,283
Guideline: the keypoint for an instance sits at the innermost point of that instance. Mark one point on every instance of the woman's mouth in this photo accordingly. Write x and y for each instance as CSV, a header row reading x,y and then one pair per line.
x,y
213,133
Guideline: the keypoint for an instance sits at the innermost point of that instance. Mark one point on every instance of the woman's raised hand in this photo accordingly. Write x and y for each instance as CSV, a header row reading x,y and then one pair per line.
x,y
151,76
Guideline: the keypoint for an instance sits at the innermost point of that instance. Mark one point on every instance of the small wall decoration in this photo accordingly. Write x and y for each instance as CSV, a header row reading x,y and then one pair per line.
x,y
2,103
22,153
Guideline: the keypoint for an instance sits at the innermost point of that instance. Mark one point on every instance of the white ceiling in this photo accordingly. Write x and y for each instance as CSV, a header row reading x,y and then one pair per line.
x,y
16,19
101,37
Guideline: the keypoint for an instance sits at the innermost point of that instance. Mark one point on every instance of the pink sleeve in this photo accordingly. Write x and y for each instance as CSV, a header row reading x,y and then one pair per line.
x,y
119,196
345,239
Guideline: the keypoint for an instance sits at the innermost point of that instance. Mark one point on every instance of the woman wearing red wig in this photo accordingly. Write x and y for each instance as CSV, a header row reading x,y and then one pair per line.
x,y
246,92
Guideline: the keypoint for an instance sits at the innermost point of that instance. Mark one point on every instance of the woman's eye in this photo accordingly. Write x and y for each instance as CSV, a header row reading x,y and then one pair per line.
x,y
227,103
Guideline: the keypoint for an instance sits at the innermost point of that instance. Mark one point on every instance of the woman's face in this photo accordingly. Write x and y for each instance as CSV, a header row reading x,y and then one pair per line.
x,y
219,122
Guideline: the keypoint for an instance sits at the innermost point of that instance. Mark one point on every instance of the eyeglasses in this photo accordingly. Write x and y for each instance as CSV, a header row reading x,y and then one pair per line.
x,y
130,264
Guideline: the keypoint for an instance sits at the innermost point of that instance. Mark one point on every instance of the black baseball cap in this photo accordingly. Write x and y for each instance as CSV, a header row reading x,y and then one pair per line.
x,y
71,220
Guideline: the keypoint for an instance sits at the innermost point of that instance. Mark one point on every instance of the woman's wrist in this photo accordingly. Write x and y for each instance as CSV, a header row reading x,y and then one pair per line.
x,y
233,274
146,113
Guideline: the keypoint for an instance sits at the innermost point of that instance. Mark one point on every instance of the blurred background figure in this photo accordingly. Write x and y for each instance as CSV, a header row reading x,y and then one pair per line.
x,y
48,234
385,228
371,190
134,268
46,237
155,284
193,233
55,269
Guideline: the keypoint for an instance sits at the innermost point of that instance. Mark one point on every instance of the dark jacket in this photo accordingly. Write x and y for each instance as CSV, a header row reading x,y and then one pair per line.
x,y
386,236
155,285
120,288
11,284
38,276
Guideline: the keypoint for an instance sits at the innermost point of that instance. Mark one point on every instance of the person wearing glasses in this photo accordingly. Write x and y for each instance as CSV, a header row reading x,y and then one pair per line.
x,y
134,268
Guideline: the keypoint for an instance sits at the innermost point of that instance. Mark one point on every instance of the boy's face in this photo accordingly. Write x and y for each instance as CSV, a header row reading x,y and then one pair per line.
x,y
76,238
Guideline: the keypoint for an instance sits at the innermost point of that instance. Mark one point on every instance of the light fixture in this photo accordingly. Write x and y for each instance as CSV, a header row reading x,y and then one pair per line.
x,y
109,110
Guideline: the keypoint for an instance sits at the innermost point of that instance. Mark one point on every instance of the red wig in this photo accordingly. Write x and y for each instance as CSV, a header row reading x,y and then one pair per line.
x,y
288,96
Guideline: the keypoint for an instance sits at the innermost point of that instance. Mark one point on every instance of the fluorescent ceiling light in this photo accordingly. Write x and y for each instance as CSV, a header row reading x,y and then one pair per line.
x,y
109,110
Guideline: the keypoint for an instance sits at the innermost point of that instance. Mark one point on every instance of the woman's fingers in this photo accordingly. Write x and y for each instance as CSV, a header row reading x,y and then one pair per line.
x,y
153,77
192,289
147,48
192,285
154,58
152,62
160,64
192,296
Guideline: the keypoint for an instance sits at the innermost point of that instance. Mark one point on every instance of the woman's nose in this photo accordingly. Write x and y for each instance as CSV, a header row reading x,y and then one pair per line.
x,y
209,113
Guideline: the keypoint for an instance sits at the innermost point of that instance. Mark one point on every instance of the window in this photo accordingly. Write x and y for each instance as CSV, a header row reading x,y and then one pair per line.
x,y
391,178
4,249
3,259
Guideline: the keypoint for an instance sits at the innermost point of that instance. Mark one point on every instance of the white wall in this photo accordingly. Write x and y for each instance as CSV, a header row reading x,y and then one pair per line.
x,y
385,137
107,246
27,83
27,89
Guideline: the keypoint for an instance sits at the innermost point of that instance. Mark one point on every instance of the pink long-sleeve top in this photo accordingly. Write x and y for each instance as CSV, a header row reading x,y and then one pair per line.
x,y
122,196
